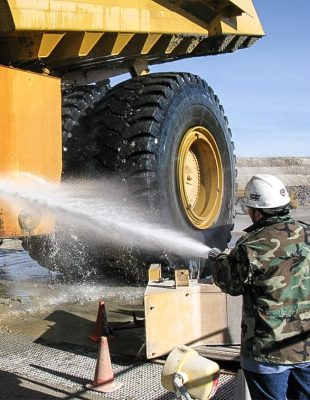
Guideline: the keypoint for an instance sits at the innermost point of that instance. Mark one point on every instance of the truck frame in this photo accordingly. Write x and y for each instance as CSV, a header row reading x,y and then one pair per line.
x,y
163,135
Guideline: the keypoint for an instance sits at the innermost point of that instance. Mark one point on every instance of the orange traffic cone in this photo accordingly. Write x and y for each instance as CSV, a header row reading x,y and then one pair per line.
x,y
104,376
102,327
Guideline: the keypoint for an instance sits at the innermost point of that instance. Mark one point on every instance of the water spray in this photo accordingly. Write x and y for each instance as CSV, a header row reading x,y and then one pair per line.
x,y
96,207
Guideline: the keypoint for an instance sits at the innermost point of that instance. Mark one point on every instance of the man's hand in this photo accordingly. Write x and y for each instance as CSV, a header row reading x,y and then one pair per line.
x,y
213,253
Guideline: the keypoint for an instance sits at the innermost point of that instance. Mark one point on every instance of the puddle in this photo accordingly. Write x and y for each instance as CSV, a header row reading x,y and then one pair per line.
x,y
26,286
19,273
17,265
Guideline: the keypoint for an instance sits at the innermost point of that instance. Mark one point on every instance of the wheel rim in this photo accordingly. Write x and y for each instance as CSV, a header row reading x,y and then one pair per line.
x,y
200,177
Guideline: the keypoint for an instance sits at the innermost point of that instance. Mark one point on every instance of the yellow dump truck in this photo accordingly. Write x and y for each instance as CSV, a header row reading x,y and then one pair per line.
x,y
163,135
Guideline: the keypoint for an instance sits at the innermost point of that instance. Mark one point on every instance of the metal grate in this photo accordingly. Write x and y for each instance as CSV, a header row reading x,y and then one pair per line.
x,y
72,366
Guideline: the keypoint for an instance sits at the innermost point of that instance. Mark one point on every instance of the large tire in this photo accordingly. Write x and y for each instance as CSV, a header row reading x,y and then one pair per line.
x,y
156,133
77,105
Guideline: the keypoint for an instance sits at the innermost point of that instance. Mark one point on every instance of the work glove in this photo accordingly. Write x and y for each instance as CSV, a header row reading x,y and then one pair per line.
x,y
213,253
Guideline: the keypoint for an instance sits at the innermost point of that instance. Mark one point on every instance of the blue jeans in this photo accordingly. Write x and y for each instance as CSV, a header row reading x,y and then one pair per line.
x,y
292,384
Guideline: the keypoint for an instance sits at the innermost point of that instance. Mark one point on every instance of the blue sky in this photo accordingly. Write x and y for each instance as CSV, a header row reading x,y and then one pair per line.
x,y
265,90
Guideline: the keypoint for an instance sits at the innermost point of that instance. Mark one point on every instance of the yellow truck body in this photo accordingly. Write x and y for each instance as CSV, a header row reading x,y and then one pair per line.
x,y
63,30
45,42
31,145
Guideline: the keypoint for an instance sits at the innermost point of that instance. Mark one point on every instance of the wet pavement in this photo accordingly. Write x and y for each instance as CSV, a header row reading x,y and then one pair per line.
x,y
45,352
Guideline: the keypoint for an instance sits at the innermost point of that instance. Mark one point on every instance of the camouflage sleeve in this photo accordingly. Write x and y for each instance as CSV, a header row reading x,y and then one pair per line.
x,y
230,271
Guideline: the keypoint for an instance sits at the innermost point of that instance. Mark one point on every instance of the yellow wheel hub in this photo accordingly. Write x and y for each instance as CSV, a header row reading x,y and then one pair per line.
x,y
200,177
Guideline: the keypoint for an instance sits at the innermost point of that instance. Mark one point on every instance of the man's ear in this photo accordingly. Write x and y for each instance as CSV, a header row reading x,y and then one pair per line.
x,y
258,215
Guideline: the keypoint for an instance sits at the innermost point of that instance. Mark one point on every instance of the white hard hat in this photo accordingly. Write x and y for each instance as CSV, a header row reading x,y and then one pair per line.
x,y
266,191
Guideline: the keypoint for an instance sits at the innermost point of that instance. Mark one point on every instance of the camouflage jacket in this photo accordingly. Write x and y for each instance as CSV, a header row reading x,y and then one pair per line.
x,y
270,267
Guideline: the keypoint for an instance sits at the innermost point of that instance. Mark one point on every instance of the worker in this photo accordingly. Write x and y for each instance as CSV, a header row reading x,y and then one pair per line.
x,y
270,267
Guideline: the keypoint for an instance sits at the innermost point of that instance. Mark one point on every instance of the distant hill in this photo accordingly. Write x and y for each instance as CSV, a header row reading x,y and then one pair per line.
x,y
294,172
